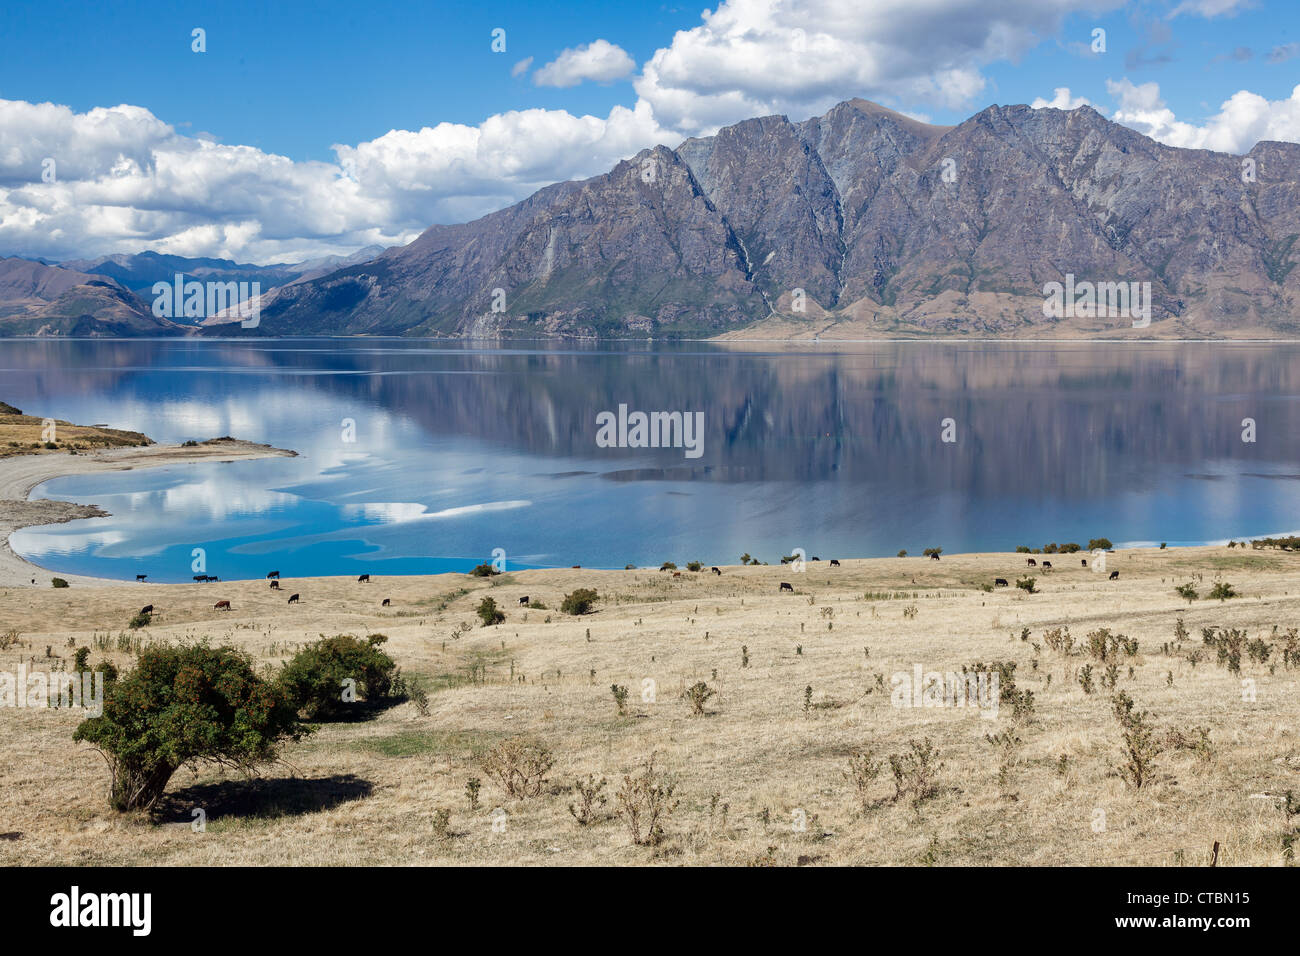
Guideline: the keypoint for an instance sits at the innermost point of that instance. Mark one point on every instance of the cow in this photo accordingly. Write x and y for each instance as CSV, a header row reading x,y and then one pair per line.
x,y
786,586
1047,565
576,567
221,606
275,585
835,562
523,601
200,577
1114,575
677,574
1000,583
386,603
293,599
1083,562
934,557
212,578
814,559
1033,563
364,579
147,609
716,571
141,577
273,574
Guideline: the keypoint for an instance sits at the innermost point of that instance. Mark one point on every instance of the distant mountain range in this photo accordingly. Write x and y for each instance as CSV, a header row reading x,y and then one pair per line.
x,y
861,223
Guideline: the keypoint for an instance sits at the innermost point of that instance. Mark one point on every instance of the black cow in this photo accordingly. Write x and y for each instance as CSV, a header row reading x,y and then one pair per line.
x,y
386,603
1084,562
141,577
934,557
293,599
1047,565
716,571
835,562
1114,575
273,574
523,601
1000,583
275,585
147,609
364,579
200,577
1033,563
786,586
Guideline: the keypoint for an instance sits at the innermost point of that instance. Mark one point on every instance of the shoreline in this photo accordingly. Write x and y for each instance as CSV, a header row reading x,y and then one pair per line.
x,y
22,474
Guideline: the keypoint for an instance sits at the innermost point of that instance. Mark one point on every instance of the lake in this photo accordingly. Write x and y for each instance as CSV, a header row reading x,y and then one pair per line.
x,y
419,456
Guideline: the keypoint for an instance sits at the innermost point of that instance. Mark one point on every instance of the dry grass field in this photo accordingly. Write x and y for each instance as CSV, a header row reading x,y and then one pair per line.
x,y
760,778
26,435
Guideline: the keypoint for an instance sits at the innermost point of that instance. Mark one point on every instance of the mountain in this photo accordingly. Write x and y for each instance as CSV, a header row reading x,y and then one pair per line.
x,y
872,222
38,299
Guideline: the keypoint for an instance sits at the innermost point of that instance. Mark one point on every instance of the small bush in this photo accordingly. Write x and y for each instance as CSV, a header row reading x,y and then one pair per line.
x,y
487,612
620,698
667,566
139,621
314,679
1222,591
694,566
862,772
518,767
589,798
1140,748
697,695
643,802
915,772
58,583
1027,585
1187,592
484,571
1102,544
579,601
902,554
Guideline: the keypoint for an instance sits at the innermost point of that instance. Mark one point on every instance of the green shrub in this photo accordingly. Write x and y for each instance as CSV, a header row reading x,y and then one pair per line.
x,y
58,582
1102,544
487,612
1187,592
667,566
484,571
1027,585
694,566
186,705
1222,591
579,601
902,554
139,621
313,681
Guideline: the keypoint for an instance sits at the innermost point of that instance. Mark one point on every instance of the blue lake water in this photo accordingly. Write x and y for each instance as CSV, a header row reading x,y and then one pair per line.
x,y
454,451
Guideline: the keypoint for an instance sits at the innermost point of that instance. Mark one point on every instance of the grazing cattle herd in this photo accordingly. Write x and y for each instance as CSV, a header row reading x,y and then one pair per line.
x,y
274,578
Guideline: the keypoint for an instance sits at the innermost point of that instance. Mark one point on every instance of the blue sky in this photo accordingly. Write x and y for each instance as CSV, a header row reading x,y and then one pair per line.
x,y
312,128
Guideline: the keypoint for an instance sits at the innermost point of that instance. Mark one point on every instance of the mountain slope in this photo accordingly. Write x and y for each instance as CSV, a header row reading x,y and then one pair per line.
x,y
861,222
37,299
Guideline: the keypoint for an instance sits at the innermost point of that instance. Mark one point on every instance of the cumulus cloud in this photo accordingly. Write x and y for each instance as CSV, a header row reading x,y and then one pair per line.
x,y
1061,100
755,57
600,61
1243,119
125,181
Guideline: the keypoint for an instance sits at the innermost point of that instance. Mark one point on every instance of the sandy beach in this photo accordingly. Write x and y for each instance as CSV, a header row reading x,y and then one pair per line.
x,y
19,474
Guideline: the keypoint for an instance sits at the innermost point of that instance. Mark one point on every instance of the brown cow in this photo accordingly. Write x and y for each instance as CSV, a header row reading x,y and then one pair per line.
x,y
1033,563
677,574
221,606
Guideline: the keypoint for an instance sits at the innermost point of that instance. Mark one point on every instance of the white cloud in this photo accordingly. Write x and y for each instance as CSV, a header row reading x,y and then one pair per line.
x,y
600,61
756,57
1211,8
126,181
522,67
1243,119
1061,100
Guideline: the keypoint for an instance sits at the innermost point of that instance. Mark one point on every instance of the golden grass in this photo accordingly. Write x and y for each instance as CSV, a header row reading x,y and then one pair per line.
x,y
368,792
26,435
